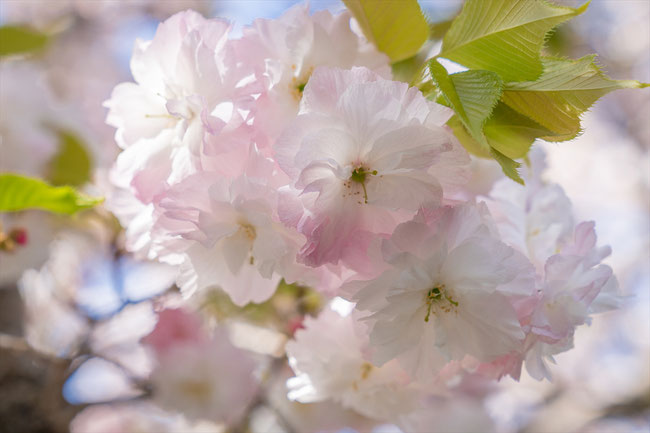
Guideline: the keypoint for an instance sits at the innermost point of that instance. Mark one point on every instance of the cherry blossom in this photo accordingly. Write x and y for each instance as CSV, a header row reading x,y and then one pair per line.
x,y
330,357
185,92
286,51
448,292
363,153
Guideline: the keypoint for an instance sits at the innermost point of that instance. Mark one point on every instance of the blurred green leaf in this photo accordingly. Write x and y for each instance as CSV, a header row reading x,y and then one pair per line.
x,y
504,36
566,89
72,165
19,193
396,27
21,40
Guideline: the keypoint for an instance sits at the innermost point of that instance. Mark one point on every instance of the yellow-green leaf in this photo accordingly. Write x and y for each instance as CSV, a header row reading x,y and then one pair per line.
x,y
20,40
566,89
512,133
504,36
72,165
506,131
466,139
396,27
19,193
471,94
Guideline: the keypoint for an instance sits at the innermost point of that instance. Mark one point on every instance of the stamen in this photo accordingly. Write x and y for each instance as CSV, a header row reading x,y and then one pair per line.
x,y
359,176
248,230
159,116
442,299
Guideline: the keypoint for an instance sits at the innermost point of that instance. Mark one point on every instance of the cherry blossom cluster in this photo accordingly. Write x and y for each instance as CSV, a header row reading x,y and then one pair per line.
x,y
289,154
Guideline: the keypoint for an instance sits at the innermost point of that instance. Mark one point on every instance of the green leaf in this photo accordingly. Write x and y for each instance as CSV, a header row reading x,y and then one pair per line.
x,y
506,131
72,164
466,139
512,133
19,193
504,36
566,89
405,70
439,29
471,94
396,27
21,40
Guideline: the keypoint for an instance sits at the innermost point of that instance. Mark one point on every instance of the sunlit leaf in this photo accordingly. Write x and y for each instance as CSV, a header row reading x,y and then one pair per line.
x,y
466,139
562,94
19,193
512,133
504,36
396,27
471,94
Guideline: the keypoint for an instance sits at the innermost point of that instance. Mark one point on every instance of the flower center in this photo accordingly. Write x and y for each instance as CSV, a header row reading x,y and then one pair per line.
x,y
248,230
366,369
359,176
298,83
199,391
439,299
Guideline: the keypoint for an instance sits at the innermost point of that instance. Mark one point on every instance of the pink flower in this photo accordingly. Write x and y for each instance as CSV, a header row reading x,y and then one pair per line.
x,y
286,51
363,154
188,89
227,233
330,358
448,292
576,284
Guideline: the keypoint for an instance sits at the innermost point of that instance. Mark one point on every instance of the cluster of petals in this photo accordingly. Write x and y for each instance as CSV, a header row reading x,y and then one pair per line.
x,y
289,154
449,290
571,281
363,154
331,359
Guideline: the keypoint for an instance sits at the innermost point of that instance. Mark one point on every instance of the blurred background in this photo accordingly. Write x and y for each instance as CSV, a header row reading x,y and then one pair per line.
x,y
64,327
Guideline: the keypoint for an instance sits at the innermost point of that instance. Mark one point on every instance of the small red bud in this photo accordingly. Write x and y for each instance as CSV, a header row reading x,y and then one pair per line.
x,y
18,235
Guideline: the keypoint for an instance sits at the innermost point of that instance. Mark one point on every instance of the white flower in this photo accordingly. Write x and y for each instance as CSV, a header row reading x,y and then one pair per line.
x,y
448,292
187,91
362,149
330,359
227,233
286,51
536,218
576,284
